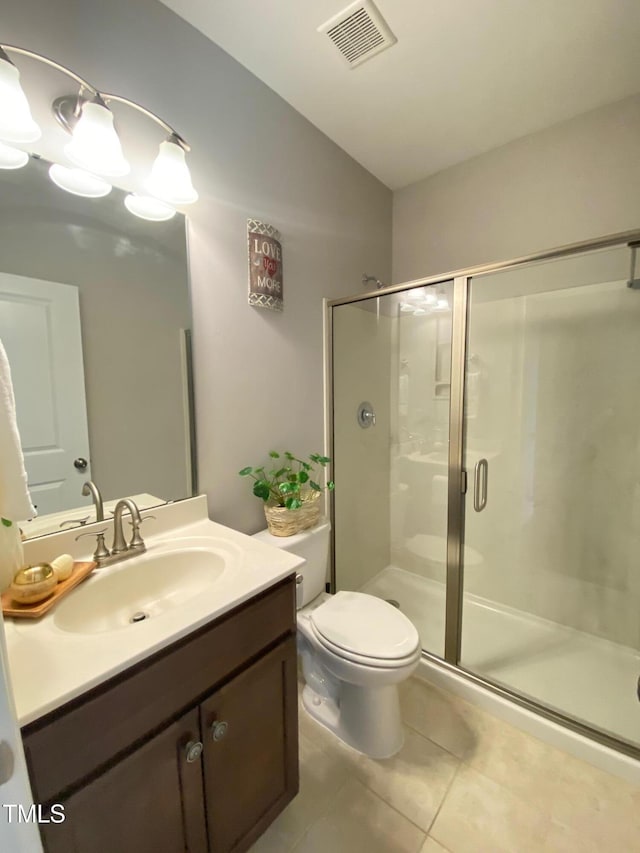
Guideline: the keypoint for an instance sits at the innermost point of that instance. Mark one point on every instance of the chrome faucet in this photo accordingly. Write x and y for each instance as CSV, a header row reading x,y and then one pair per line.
x,y
90,488
119,550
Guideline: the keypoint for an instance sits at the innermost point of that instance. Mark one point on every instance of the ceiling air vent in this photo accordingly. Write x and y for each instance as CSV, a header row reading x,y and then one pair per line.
x,y
359,32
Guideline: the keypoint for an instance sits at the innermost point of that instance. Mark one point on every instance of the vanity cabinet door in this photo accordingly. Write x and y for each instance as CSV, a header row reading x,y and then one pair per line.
x,y
149,802
250,736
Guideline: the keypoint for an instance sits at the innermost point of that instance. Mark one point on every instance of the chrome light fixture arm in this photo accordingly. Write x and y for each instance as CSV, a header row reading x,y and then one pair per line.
x,y
41,58
67,108
175,136
95,149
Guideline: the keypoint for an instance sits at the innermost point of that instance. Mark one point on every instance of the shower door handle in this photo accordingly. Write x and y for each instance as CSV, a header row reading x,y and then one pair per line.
x,y
480,477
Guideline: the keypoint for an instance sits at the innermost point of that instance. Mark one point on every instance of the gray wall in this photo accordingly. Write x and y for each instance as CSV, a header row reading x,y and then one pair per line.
x,y
575,181
258,374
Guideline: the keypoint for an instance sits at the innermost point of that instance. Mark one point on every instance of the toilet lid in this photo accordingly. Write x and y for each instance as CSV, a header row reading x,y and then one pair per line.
x,y
366,626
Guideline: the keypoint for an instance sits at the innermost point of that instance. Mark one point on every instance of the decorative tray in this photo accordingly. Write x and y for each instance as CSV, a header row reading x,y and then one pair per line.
x,y
39,608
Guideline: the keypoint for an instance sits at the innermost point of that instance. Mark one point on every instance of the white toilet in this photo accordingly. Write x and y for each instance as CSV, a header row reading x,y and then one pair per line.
x,y
355,649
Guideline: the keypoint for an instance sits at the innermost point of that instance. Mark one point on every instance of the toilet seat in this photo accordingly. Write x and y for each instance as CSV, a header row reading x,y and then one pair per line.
x,y
364,660
365,629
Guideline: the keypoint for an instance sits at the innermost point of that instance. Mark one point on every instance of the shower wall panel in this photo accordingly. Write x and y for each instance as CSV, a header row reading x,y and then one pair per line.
x,y
362,338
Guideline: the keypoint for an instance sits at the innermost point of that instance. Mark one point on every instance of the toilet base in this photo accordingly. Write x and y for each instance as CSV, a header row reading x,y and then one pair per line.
x,y
367,719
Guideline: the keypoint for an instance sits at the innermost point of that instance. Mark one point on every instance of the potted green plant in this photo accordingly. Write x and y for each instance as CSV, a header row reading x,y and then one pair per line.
x,y
290,491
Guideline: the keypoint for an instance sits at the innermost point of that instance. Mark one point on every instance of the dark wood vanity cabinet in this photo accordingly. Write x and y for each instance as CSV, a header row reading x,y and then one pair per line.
x,y
247,749
151,800
210,774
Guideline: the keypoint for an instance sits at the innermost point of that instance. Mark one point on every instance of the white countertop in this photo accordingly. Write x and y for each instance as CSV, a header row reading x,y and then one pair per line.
x,y
50,666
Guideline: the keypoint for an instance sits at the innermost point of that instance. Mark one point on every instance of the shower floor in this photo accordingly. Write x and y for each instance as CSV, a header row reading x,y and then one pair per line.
x,y
579,674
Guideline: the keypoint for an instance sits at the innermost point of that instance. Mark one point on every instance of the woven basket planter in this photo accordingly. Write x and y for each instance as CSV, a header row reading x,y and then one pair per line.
x,y
285,522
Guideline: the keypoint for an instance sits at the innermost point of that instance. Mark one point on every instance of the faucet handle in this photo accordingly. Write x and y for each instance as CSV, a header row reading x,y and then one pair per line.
x,y
92,533
80,521
137,541
142,521
101,552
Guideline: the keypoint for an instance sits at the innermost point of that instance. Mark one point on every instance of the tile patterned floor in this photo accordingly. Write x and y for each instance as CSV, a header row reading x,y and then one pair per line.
x,y
464,782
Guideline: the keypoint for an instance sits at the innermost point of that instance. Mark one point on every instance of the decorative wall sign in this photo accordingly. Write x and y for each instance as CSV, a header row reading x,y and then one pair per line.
x,y
265,266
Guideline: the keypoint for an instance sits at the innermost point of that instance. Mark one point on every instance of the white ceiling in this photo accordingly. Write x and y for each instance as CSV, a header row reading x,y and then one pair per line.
x,y
464,77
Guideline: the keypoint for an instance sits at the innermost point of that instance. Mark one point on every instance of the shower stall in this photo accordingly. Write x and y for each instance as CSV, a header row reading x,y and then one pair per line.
x,y
485,435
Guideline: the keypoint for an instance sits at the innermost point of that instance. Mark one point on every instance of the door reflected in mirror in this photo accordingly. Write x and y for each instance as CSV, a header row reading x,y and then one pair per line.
x,y
95,318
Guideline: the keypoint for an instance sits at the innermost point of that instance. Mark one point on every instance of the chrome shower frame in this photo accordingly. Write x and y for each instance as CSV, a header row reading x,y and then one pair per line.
x,y
457,475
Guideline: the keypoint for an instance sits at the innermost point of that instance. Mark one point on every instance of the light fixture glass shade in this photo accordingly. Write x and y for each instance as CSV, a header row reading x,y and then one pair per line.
x,y
95,145
170,179
149,208
79,182
16,121
442,304
12,158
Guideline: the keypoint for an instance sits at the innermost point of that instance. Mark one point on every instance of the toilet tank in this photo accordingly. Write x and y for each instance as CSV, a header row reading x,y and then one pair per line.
x,y
313,545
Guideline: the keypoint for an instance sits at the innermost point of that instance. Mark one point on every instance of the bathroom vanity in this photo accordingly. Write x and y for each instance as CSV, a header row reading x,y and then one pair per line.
x,y
191,747
200,740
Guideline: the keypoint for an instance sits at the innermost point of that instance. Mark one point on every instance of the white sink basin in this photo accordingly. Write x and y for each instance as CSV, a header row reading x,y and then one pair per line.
x,y
128,594
193,572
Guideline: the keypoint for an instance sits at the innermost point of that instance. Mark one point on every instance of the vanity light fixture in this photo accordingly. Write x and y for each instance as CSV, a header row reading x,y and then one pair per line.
x,y
170,179
95,149
79,182
12,158
16,121
442,303
420,301
95,145
416,296
147,207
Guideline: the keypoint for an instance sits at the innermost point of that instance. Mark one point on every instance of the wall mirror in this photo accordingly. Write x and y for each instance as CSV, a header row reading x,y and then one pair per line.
x,y
95,318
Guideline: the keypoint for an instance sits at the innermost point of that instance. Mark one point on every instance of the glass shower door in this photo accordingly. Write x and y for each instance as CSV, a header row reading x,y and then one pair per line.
x,y
391,357
552,509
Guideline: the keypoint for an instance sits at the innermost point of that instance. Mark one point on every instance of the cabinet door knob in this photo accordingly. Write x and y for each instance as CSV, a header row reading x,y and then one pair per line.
x,y
193,751
219,729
